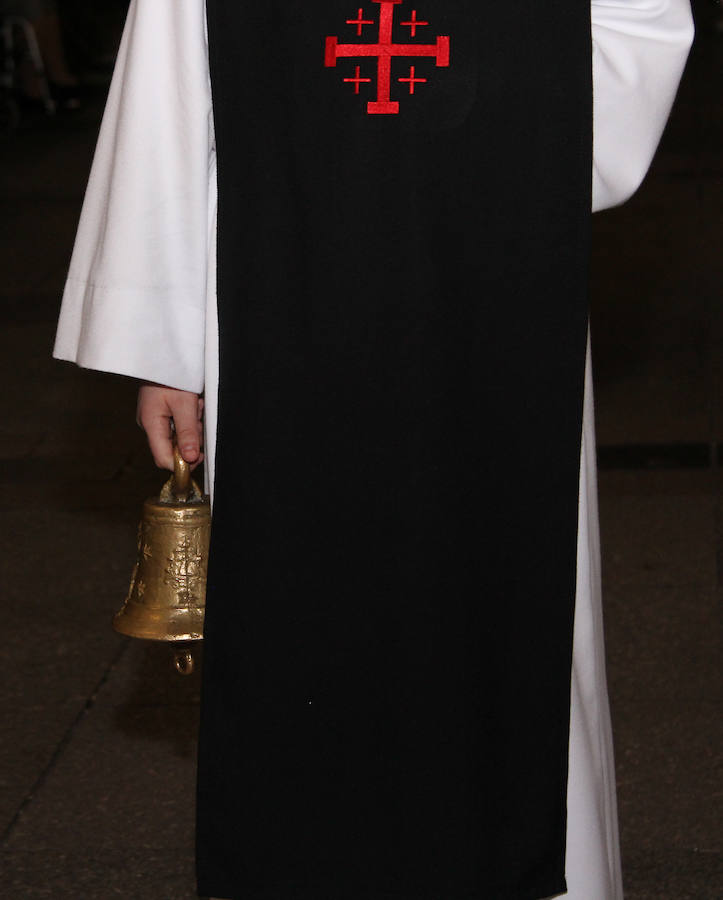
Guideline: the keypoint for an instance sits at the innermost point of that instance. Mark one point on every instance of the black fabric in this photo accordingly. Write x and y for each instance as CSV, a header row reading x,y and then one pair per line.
x,y
402,312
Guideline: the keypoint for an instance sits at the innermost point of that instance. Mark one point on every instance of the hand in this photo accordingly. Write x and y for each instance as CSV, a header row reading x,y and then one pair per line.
x,y
157,405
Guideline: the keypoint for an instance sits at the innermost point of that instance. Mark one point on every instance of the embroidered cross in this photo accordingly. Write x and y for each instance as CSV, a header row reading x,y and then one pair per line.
x,y
414,23
359,21
384,49
412,80
356,80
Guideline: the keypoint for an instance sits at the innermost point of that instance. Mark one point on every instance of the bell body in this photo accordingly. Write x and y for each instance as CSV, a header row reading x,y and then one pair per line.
x,y
167,594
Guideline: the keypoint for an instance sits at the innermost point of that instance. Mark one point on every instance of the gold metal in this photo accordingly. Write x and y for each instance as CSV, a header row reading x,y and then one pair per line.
x,y
183,661
167,594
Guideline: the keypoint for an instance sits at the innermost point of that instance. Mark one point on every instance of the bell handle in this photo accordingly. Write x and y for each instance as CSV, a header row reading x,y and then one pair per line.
x,y
180,487
181,475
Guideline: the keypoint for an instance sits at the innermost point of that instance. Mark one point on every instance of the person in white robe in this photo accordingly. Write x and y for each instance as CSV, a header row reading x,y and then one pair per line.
x,y
140,298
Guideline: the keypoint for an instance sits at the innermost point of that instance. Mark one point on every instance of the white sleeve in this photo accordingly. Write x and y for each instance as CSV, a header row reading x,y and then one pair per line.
x,y
639,51
135,299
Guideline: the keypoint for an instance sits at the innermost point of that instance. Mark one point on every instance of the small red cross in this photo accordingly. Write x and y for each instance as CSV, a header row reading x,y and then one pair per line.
x,y
360,22
412,80
356,80
413,24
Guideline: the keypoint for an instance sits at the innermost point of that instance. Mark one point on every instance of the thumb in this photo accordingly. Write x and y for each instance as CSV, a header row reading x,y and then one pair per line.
x,y
188,427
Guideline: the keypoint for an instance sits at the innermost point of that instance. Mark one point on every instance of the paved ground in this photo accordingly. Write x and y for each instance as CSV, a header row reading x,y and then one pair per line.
x,y
97,760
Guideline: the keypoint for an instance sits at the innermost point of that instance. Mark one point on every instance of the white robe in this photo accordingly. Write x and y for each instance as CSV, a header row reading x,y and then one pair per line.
x,y
140,299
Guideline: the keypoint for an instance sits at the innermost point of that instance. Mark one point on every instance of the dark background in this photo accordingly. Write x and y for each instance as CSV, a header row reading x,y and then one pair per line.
x,y
97,756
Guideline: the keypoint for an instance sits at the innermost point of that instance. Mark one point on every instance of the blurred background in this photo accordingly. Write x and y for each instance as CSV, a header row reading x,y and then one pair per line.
x,y
97,757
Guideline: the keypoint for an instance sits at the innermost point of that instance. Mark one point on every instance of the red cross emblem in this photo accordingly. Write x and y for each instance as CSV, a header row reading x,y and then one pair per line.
x,y
384,49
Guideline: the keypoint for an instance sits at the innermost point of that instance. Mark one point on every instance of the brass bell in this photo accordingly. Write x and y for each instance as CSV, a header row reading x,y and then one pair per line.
x,y
167,595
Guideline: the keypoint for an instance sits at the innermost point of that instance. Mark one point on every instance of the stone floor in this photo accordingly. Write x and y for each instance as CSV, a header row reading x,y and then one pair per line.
x,y
97,760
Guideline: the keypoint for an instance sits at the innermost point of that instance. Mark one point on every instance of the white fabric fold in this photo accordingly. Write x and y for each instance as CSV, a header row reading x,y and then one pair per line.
x,y
593,867
639,52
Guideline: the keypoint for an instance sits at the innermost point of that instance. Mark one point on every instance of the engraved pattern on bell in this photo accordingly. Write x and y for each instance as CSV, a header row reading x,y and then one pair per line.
x,y
186,571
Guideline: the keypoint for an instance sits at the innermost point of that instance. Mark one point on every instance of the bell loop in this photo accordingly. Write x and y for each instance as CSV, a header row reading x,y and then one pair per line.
x,y
181,475
180,487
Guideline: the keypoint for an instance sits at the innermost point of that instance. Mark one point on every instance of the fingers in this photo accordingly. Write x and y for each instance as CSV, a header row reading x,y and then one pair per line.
x,y
187,420
154,416
157,405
